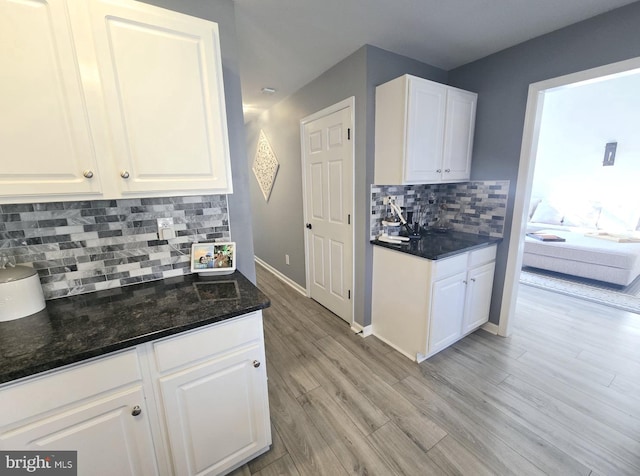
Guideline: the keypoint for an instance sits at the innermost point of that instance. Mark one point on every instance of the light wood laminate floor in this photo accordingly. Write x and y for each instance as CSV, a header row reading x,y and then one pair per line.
x,y
561,396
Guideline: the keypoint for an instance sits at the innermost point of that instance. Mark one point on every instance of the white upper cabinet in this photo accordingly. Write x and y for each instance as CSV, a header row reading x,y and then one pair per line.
x,y
45,135
110,99
424,132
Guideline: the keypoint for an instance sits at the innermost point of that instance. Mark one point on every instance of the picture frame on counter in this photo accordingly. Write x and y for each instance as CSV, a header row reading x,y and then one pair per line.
x,y
210,259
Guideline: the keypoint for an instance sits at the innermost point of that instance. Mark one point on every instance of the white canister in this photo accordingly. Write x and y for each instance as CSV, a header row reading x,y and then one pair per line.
x,y
20,293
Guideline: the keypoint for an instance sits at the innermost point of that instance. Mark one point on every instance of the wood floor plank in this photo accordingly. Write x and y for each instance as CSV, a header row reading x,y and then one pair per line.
x,y
364,414
417,426
581,373
401,453
484,445
294,374
533,403
454,458
596,431
276,452
351,447
621,413
283,466
522,447
308,450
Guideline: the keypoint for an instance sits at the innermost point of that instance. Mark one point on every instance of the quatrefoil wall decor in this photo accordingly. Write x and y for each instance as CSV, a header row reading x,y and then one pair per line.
x,y
265,166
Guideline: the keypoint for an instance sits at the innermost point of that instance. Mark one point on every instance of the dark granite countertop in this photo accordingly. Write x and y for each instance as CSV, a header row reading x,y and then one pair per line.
x,y
76,328
434,245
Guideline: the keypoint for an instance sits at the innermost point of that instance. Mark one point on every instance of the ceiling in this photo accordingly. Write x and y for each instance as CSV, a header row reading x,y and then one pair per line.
x,y
284,44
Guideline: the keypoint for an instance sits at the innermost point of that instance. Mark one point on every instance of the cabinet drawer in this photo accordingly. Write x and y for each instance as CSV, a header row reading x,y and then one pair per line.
x,y
449,266
482,256
39,395
199,344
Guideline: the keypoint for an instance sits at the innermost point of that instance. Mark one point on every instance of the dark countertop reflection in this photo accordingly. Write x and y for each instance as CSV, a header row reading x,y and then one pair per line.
x,y
79,327
435,245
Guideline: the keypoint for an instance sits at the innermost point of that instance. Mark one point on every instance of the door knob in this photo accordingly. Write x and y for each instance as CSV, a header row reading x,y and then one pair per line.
x,y
88,173
136,410
309,226
124,174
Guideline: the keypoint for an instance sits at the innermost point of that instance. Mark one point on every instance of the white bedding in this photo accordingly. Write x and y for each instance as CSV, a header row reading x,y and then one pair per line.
x,y
584,256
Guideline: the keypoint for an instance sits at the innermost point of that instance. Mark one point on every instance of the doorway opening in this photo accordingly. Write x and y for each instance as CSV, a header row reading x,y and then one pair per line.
x,y
530,145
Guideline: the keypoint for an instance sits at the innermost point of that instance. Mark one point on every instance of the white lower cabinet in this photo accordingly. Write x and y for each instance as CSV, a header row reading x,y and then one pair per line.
x,y
207,415
97,409
434,304
216,407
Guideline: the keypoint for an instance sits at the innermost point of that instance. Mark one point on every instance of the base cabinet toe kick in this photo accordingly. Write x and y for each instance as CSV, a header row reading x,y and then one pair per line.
x,y
421,306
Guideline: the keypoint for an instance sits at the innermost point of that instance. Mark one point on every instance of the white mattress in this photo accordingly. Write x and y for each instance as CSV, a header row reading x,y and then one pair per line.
x,y
584,256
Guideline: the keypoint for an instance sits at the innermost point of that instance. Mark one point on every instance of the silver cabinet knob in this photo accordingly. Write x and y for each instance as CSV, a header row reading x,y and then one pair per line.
x,y
439,170
473,280
124,174
464,282
447,170
136,410
88,173
256,363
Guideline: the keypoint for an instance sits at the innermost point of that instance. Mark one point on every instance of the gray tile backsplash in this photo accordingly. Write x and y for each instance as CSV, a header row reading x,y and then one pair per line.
x,y
473,207
80,247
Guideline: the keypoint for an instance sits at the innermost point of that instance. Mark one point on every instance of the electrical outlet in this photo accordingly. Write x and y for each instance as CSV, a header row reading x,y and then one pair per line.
x,y
166,229
286,259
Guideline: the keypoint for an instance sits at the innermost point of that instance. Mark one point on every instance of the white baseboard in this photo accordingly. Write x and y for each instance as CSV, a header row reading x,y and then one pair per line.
x,y
358,329
281,276
491,328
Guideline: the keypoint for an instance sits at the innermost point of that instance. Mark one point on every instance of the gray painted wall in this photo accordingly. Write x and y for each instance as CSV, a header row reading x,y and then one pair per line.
x,y
278,224
502,80
222,12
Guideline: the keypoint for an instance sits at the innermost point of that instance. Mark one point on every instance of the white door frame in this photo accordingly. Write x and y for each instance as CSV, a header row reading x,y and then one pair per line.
x,y
533,117
346,103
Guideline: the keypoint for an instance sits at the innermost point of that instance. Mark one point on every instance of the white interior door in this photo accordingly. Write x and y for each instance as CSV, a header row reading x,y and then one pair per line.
x,y
328,174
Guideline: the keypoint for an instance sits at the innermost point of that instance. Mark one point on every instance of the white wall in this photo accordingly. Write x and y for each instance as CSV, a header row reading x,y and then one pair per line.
x,y
577,122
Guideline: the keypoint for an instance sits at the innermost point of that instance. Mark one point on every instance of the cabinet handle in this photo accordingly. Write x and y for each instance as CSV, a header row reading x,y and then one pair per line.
x,y
136,410
447,170
473,280
256,363
439,170
464,281
124,174
88,173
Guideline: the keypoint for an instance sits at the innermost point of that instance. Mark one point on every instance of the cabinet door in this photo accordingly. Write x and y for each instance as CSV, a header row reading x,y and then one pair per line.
x,y
480,285
425,131
458,139
163,91
217,413
44,134
108,438
447,308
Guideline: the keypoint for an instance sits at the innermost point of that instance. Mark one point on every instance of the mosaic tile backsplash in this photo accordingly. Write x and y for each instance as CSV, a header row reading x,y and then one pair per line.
x,y
477,207
80,247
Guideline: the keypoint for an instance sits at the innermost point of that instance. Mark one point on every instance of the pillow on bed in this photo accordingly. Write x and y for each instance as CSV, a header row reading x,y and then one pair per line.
x,y
618,217
581,214
547,212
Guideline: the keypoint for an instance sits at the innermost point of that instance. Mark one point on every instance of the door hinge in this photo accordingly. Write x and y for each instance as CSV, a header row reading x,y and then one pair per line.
x,y
349,219
349,293
348,133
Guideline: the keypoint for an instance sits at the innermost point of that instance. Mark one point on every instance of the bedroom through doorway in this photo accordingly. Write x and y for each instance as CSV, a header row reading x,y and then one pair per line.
x,y
582,221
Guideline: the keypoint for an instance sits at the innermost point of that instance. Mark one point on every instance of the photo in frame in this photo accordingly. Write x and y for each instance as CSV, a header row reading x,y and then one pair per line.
x,y
213,258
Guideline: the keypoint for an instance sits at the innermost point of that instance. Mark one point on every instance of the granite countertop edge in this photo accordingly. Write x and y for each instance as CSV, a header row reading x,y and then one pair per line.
x,y
17,368
458,243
